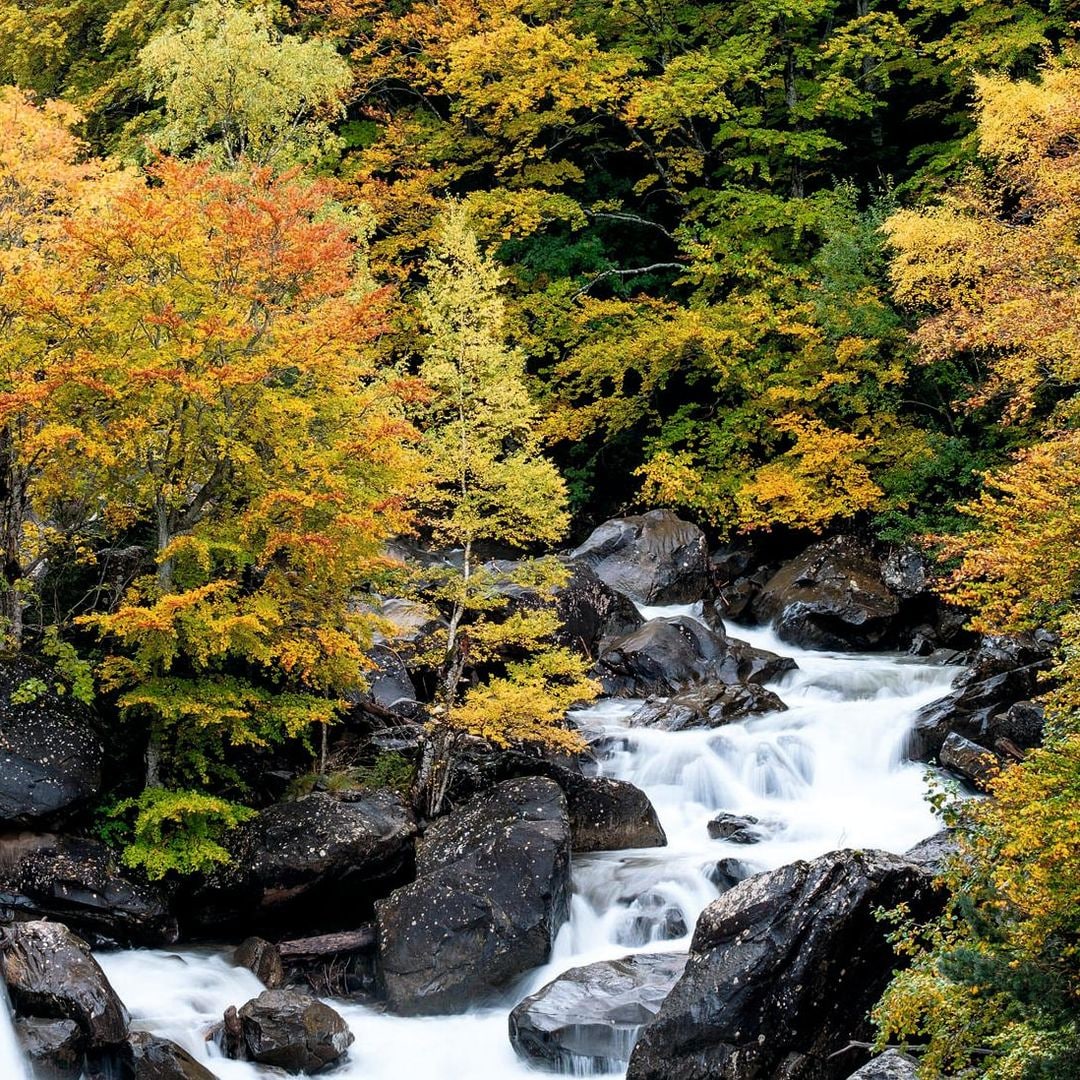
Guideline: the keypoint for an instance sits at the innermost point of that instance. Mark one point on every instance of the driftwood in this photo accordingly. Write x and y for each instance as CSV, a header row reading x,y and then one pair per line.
x,y
328,944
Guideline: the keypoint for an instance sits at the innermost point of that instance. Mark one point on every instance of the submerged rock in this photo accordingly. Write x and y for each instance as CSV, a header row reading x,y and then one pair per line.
x,y
590,1017
654,558
737,829
51,974
491,893
783,971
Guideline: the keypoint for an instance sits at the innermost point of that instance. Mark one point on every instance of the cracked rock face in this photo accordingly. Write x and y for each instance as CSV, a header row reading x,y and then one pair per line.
x,y
491,893
50,755
783,971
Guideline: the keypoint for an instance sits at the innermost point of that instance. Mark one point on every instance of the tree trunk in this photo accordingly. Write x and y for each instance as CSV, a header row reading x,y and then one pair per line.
x,y
12,520
436,771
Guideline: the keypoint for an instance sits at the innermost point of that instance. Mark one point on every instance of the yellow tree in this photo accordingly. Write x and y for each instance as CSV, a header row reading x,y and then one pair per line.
x,y
44,173
232,83
213,354
486,480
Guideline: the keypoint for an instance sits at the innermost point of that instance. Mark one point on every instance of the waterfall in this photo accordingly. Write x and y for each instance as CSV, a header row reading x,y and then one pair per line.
x,y
12,1062
825,774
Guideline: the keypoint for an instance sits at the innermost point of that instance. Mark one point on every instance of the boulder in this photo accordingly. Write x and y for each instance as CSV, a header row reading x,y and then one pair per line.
x,y
78,882
736,829
982,693
608,814
50,755
832,596
783,971
934,852
292,1031
320,861
588,1019
152,1058
1021,723
491,893
709,706
654,558
969,759
390,686
263,959
54,1048
52,975
892,1065
663,657
752,665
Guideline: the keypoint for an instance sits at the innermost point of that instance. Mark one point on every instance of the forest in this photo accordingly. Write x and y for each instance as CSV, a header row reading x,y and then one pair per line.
x,y
330,331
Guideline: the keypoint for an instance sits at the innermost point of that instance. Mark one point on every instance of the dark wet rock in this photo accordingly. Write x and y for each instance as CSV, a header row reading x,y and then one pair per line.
x,y
651,917
753,665
935,851
262,959
608,814
1021,723
969,759
50,755
662,657
830,597
54,1048
712,705
783,971
320,862
390,686
150,1057
491,893
655,558
293,1031
589,1017
727,873
980,694
737,829
906,573
590,611
52,975
78,882
892,1065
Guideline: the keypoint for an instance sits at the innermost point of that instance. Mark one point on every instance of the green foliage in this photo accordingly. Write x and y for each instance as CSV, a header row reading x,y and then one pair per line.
x,y
164,831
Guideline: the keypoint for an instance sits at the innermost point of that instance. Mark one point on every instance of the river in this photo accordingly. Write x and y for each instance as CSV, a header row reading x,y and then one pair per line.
x,y
825,774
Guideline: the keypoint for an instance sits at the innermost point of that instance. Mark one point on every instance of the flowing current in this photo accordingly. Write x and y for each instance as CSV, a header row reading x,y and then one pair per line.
x,y
826,774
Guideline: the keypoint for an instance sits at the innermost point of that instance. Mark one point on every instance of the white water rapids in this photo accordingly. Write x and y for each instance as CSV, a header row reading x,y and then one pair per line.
x,y
825,774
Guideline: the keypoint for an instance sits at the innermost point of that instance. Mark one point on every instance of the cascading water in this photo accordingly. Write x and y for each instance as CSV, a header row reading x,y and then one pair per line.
x,y
12,1064
823,775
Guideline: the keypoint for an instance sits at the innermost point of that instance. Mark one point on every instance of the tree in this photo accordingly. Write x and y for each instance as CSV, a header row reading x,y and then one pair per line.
x,y
235,85
44,173
213,340
486,480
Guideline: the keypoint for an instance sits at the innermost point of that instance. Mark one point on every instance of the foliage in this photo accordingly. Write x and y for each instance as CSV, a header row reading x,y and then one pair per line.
x,y
232,83
213,353
165,831
486,480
